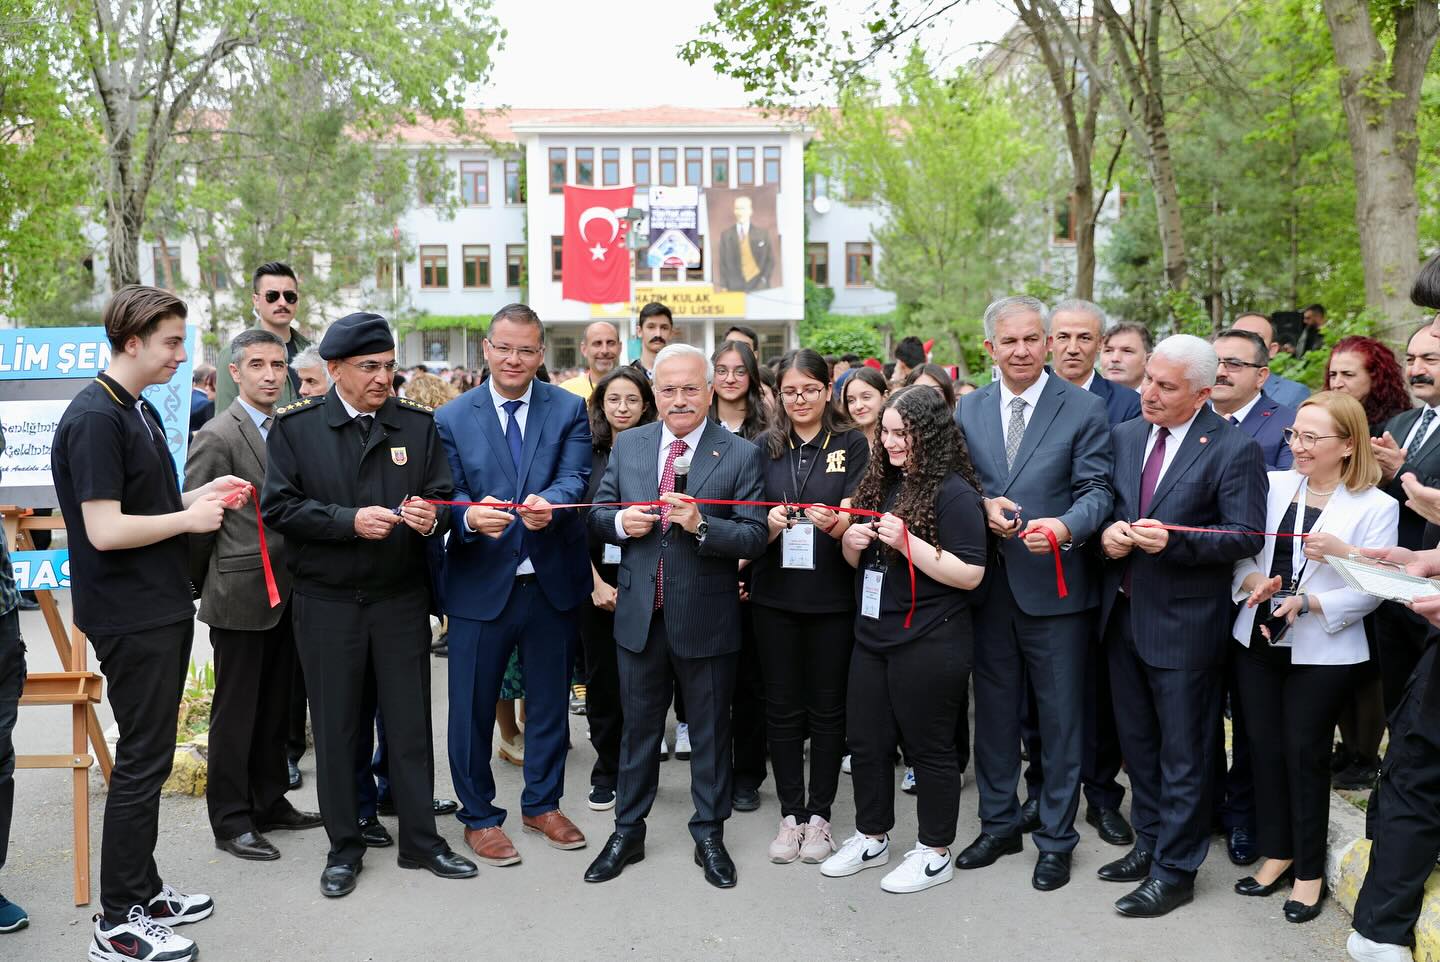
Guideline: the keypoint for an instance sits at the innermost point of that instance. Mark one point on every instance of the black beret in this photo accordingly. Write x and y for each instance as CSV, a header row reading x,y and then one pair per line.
x,y
356,334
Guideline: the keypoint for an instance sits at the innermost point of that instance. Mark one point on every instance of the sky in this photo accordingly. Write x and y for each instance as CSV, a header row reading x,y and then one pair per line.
x,y
621,53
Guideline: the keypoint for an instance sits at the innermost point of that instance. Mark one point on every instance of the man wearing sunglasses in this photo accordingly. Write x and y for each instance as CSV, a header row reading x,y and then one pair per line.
x,y
275,297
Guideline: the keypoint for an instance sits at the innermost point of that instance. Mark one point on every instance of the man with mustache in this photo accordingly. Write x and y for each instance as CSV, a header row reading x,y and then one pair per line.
x,y
275,292
656,327
1239,397
600,349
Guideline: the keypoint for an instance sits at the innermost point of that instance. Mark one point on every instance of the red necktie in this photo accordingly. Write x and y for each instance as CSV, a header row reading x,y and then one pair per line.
x,y
667,485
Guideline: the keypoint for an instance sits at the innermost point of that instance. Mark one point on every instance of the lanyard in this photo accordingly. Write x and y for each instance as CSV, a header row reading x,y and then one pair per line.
x,y
798,483
1298,561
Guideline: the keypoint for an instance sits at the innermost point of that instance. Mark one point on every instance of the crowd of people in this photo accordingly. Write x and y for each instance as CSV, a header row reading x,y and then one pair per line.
x,y
1115,544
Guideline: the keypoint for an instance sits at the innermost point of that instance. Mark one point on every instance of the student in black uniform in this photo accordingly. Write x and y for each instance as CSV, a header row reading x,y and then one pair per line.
x,y
803,601
905,682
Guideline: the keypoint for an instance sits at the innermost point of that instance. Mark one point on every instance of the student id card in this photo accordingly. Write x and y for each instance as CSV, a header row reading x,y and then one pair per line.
x,y
798,546
870,592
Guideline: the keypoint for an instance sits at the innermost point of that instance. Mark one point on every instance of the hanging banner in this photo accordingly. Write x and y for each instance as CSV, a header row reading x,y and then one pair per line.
x,y
684,301
674,220
746,241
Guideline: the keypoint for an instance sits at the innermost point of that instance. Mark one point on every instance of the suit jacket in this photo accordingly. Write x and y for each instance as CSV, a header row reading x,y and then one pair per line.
x,y
1266,423
1287,392
1180,606
762,248
226,563
1061,471
1121,403
479,571
1425,463
702,598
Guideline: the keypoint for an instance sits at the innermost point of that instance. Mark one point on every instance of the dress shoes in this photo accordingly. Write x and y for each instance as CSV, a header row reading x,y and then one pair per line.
x,y
745,799
1030,815
28,601
292,820
1134,867
375,834
296,779
619,851
1240,846
1155,898
986,849
1052,871
719,867
1251,886
558,830
249,845
1300,912
339,880
1110,825
492,846
441,806
442,864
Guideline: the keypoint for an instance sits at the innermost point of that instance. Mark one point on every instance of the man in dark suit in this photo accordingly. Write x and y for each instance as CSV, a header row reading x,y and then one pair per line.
x,y
1042,450
202,396
747,252
254,643
1165,611
1239,395
1277,388
1076,331
678,609
514,439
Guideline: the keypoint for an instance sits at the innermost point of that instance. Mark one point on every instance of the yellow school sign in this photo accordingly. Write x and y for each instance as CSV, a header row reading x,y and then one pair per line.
x,y
684,301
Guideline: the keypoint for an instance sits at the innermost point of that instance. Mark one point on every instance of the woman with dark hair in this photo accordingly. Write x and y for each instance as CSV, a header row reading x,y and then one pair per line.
x,y
913,652
935,377
803,603
739,401
1367,370
861,399
622,400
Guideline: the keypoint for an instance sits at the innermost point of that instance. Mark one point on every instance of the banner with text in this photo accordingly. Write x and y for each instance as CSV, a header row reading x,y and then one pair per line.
x,y
42,570
686,301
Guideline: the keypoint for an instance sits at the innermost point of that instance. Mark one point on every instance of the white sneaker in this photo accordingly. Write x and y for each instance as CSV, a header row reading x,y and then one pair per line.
x,y
845,764
923,868
172,908
682,741
815,842
139,937
664,749
859,852
1362,949
786,847
907,784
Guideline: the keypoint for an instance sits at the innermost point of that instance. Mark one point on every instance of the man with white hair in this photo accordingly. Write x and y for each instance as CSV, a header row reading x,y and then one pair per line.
x,y
309,368
1165,610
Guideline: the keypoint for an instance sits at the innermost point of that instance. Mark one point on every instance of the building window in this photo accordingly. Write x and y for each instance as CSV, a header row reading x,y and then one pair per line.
x,y
475,183
745,166
668,162
557,244
772,165
609,166
514,183
476,258
859,265
719,166
697,273
514,265
167,266
641,269
214,274
434,266
1066,215
557,170
385,273
640,165
694,166
585,166
817,263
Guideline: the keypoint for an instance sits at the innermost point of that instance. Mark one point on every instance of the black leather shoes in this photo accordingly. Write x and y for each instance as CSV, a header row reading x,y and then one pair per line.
x,y
1155,898
441,806
339,880
1110,825
296,779
375,834
293,820
1240,845
986,849
444,864
719,867
249,845
1249,885
1134,867
1052,871
1030,815
745,799
618,852
1300,912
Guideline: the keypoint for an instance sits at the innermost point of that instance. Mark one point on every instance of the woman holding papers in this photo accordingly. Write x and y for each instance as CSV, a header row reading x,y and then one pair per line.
x,y
1302,634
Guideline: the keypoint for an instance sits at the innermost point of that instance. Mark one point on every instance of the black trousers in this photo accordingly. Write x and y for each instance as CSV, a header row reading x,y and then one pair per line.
x,y
602,694
1291,710
336,640
295,725
805,659
248,720
1234,796
747,708
909,692
646,688
12,680
1400,637
144,678
1403,820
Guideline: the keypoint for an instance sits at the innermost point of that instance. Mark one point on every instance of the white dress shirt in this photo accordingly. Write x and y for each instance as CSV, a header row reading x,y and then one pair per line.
x,y
1244,412
667,438
525,567
1088,381
1172,445
1031,397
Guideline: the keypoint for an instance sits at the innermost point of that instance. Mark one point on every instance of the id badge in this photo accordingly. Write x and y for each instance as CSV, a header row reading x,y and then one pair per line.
x,y
611,555
870,593
798,546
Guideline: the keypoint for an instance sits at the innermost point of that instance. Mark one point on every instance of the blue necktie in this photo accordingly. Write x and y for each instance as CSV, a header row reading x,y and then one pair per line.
x,y
512,433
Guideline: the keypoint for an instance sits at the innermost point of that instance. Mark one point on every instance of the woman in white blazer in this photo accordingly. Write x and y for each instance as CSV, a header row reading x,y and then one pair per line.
x,y
1292,687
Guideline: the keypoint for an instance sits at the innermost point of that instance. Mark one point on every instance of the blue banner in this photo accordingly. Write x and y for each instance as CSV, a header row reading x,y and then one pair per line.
x,y
42,570
43,353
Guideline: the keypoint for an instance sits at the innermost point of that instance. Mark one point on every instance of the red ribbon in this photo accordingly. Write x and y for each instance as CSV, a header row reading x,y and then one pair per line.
x,y
271,589
1060,588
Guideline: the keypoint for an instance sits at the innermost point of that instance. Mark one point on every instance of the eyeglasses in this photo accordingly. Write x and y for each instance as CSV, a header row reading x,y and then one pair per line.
x,y
1306,439
290,296
1235,364
811,393
726,373
372,368
523,353
691,392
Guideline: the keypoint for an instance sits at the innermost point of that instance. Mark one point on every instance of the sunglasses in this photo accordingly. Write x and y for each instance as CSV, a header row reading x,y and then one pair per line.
x,y
290,296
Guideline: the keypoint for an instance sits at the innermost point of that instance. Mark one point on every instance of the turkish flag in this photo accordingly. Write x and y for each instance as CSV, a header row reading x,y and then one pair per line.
x,y
595,265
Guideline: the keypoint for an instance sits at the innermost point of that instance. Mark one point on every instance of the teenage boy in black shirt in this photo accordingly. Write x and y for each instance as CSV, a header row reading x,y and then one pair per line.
x,y
127,520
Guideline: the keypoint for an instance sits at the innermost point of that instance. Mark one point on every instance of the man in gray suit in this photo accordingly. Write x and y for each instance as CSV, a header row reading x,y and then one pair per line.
x,y
1042,449
678,608
253,642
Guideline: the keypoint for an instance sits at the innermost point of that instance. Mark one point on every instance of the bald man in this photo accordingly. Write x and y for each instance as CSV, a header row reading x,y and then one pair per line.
x,y
601,349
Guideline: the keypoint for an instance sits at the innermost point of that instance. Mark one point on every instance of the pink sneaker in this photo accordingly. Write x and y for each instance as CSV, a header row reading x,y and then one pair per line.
x,y
786,847
816,843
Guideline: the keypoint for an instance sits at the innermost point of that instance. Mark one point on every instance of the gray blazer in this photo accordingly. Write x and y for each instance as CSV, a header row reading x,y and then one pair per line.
x,y
225,565
702,597
1061,471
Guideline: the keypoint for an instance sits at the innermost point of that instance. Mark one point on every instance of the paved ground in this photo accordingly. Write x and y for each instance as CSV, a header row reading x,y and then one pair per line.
x,y
659,909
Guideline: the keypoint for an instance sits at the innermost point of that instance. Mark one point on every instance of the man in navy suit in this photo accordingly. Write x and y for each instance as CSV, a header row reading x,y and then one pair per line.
x,y
1076,328
1239,395
1277,388
1165,611
514,578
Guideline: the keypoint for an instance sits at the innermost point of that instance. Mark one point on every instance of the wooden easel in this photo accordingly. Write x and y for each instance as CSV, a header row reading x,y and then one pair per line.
x,y
76,686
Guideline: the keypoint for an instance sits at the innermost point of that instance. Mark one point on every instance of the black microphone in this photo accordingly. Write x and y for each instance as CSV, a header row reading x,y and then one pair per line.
x,y
682,472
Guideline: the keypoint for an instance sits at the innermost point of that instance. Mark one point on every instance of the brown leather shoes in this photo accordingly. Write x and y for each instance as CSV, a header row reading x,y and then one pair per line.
x,y
491,845
558,830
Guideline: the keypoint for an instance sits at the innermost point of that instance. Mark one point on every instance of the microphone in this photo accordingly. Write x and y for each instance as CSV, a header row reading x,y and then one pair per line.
x,y
682,472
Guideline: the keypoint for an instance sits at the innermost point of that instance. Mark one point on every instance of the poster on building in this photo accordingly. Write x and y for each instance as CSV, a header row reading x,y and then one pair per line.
x,y
674,220
745,239
686,301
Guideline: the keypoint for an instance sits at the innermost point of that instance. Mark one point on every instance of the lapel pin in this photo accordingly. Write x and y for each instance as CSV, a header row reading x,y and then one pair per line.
x,y
715,454
1204,439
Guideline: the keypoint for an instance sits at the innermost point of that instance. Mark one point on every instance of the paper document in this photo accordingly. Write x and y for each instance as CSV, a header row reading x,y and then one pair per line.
x,y
1381,580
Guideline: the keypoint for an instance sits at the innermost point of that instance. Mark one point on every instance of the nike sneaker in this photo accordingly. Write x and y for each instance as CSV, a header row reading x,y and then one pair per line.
x,y
172,908
922,868
139,937
859,852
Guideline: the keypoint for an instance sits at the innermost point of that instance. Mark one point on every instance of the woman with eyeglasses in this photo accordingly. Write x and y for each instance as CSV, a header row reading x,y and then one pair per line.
x,y
862,397
739,399
1301,637
905,681
803,602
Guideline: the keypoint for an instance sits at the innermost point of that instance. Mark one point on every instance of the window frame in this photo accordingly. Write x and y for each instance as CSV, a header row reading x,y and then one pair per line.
x,y
162,252
479,253
720,155
515,255
744,156
475,175
563,155
430,261
609,160
817,254
639,156
770,155
587,158
518,200
854,254
674,161
696,156
557,250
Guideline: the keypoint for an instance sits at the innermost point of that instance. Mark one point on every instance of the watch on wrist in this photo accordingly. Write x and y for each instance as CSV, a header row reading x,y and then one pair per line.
x,y
702,529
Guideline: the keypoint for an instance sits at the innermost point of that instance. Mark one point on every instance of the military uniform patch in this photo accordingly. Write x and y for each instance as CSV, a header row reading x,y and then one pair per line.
x,y
398,456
